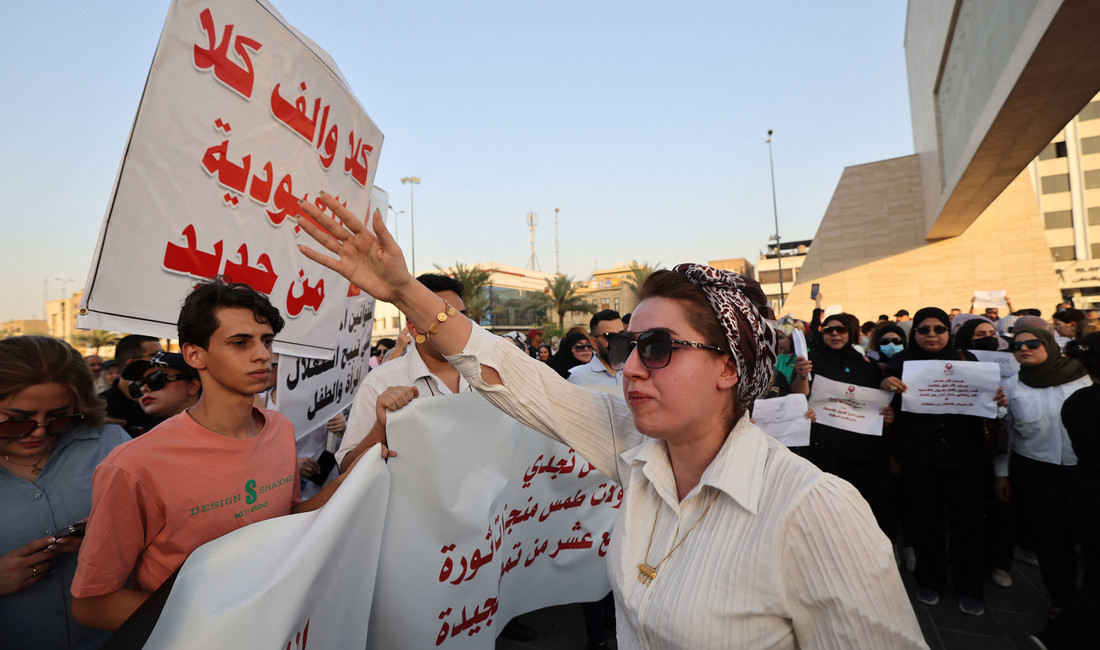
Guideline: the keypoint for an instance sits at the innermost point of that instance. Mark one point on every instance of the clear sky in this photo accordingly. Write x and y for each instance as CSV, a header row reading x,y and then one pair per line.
x,y
644,122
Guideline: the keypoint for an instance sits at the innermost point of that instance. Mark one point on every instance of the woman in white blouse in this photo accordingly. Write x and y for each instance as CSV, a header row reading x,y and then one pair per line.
x,y
1036,471
726,539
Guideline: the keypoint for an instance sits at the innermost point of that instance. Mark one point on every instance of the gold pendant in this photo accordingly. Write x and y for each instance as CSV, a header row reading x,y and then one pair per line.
x,y
35,471
646,574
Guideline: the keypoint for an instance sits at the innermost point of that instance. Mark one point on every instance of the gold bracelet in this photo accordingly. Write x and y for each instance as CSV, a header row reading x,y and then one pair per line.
x,y
440,318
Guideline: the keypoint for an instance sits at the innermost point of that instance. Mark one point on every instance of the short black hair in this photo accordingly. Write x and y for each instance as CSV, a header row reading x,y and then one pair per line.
x,y
197,321
130,346
437,282
601,316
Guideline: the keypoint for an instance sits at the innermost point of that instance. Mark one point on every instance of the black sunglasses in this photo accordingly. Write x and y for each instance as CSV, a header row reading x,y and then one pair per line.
x,y
22,427
834,329
654,348
886,341
928,329
154,381
582,346
1030,344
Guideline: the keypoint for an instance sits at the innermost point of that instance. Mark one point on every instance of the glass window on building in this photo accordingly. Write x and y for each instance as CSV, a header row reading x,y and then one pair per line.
x,y
616,304
1092,179
1090,112
1053,150
1090,145
1058,219
772,277
1055,183
1096,251
1094,216
1062,253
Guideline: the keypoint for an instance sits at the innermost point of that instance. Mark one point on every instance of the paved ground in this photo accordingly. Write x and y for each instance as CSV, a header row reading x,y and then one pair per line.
x,y
1010,615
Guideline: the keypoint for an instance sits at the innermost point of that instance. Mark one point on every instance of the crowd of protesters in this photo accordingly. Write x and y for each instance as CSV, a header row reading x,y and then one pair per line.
x,y
959,497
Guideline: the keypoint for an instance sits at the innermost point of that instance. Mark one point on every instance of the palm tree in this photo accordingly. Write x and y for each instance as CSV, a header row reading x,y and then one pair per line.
x,y
561,296
474,280
95,339
638,274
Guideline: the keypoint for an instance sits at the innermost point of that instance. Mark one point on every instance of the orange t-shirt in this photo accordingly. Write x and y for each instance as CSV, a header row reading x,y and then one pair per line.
x,y
162,495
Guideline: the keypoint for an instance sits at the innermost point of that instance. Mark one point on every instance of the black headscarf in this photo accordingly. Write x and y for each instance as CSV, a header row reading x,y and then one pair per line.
x,y
563,359
845,364
890,328
1056,370
915,352
964,337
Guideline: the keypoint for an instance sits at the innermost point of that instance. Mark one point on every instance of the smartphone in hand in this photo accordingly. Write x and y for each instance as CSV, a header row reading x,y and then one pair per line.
x,y
814,288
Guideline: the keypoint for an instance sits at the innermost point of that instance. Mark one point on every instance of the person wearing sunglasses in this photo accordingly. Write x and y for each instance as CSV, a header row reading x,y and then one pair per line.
x,y
718,544
945,473
575,349
52,436
1041,457
604,325
862,460
166,385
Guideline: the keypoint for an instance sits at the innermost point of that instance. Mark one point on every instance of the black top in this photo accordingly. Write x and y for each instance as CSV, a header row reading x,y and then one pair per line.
x,y
1081,417
933,440
121,407
831,446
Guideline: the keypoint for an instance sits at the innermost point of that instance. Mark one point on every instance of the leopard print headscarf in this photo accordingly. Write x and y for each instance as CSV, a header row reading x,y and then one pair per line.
x,y
743,309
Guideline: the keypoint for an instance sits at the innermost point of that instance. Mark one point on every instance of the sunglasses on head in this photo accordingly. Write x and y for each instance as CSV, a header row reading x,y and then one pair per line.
x,y
834,329
654,348
22,427
928,329
1030,344
154,381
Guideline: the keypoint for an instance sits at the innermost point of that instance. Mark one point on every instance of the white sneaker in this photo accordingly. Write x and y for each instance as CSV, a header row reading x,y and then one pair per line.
x,y
1001,578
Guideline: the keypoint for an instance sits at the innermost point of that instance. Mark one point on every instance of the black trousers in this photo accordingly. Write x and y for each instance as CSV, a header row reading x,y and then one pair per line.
x,y
1042,491
942,500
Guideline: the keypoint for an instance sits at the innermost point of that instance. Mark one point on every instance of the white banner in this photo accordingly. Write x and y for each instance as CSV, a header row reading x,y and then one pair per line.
x,y
487,520
986,299
1006,360
285,581
849,407
960,387
784,418
241,117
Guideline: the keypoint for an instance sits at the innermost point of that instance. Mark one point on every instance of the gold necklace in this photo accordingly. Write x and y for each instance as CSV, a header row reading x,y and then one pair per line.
x,y
35,469
647,573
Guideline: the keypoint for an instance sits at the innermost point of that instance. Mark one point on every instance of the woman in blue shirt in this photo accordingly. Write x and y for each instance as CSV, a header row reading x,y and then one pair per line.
x,y
52,437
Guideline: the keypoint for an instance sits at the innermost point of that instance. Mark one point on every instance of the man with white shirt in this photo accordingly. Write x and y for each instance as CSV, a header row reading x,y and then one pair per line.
x,y
422,371
598,371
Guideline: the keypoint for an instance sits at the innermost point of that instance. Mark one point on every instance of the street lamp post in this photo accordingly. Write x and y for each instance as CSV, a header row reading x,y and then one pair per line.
x,y
410,181
775,211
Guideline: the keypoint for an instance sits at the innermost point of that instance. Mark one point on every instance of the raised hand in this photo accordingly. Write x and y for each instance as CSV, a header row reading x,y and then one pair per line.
x,y
371,261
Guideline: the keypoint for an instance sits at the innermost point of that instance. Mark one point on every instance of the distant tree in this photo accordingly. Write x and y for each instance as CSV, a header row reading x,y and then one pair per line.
x,y
95,339
474,280
561,297
638,274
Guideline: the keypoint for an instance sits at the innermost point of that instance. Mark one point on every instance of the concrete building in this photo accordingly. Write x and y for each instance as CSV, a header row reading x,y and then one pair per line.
x,y
23,327
506,296
1067,176
787,258
992,85
61,316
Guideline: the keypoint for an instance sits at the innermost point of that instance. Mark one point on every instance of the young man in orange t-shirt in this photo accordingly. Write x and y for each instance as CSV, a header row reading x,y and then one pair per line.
x,y
217,466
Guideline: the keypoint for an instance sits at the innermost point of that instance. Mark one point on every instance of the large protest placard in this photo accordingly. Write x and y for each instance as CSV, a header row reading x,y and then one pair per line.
x,y
849,407
959,387
285,582
487,519
784,418
242,116
1005,360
